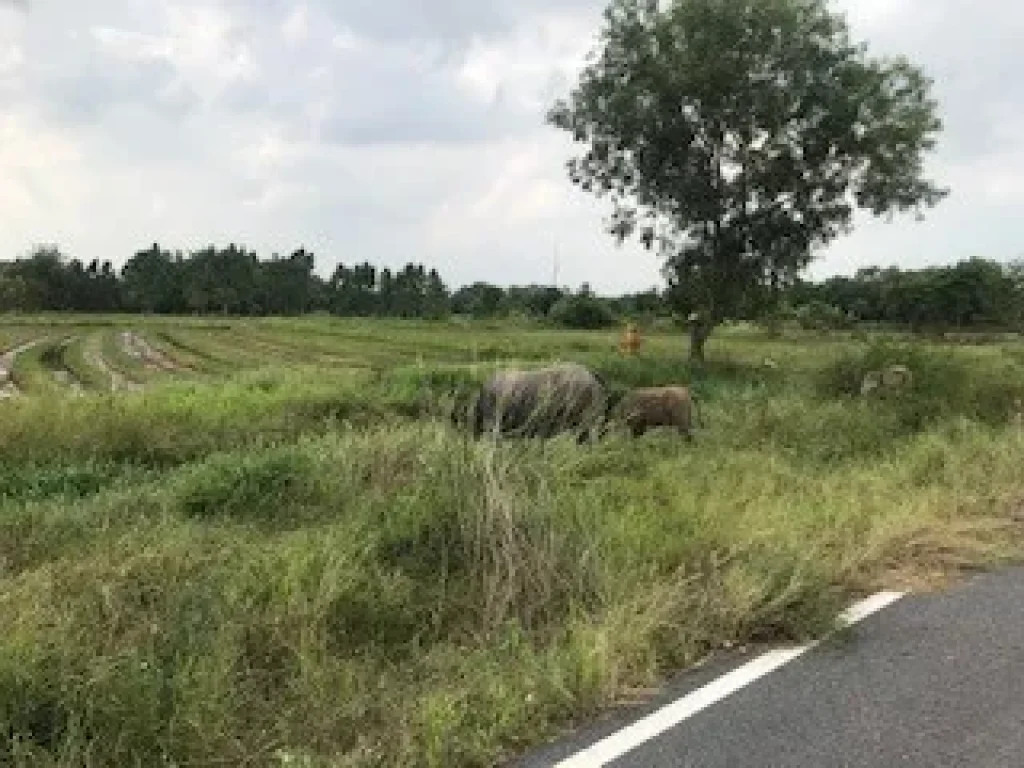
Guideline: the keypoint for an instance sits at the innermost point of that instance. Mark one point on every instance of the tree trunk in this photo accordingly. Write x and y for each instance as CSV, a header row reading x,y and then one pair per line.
x,y
699,333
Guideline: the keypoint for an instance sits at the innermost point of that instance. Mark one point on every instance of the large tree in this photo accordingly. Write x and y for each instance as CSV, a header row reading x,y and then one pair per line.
x,y
737,136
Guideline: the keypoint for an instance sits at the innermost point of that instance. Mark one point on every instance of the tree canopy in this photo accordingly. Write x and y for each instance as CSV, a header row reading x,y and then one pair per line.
x,y
737,136
975,293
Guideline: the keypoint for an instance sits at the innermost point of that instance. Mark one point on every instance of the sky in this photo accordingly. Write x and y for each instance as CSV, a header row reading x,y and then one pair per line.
x,y
413,130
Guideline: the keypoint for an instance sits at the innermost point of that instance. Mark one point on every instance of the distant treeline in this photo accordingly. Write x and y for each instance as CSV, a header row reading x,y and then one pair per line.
x,y
233,281
971,294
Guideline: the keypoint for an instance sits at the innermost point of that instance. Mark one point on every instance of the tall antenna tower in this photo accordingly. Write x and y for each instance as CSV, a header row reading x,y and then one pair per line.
x,y
554,267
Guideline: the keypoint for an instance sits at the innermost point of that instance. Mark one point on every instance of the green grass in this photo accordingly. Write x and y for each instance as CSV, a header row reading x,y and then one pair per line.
x,y
136,368
303,558
113,351
11,337
75,359
178,347
33,368
103,355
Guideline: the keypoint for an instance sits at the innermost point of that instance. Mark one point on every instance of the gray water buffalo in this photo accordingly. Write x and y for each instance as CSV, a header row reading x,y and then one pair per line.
x,y
540,403
648,407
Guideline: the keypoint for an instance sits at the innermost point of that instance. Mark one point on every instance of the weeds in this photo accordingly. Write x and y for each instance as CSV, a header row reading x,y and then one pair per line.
x,y
307,565
947,383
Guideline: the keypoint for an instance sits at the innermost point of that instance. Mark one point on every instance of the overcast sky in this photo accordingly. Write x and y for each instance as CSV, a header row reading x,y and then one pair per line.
x,y
380,130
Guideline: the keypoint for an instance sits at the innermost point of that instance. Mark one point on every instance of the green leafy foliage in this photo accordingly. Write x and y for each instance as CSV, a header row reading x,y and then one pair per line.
x,y
233,281
944,385
819,316
582,313
735,136
974,293
265,488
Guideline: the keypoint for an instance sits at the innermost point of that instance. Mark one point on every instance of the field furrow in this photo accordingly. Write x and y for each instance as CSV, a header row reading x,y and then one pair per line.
x,y
55,359
179,348
33,368
134,361
81,359
22,343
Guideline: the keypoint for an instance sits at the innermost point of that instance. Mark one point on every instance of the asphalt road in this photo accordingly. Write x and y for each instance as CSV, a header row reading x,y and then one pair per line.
x,y
931,680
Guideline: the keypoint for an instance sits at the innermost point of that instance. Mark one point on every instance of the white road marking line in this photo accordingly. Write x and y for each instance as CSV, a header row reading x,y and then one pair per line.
x,y
619,743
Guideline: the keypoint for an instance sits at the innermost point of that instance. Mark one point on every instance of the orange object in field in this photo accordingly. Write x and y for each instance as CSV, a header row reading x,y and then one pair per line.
x,y
630,340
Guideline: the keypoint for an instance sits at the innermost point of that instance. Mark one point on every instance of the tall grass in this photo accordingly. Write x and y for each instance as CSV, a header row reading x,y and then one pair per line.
x,y
986,385
180,421
33,370
309,566
318,596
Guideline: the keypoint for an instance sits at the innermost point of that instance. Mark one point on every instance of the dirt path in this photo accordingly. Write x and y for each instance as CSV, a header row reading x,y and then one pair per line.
x,y
7,386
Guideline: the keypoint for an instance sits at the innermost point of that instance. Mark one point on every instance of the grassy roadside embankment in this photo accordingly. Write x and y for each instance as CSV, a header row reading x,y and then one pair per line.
x,y
311,563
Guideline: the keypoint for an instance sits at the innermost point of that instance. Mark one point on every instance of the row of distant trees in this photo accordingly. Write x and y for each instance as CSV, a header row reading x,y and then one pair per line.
x,y
234,281
971,294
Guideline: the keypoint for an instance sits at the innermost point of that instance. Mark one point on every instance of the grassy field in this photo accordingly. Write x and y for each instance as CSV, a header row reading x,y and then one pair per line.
x,y
259,542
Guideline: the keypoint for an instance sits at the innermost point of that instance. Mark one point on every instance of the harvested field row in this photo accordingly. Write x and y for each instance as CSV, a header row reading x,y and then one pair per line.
x,y
107,377
79,363
183,350
8,359
30,369
54,358
138,349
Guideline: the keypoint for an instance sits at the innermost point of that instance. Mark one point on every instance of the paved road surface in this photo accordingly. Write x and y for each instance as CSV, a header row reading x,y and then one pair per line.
x,y
931,680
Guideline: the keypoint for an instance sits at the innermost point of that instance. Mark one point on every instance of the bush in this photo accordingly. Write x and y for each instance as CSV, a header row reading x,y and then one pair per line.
x,y
818,316
582,313
42,480
946,383
776,319
249,487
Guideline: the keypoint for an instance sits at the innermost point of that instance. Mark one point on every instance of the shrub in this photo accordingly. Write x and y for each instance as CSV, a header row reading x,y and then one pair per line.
x,y
582,313
253,488
43,480
946,383
776,319
818,316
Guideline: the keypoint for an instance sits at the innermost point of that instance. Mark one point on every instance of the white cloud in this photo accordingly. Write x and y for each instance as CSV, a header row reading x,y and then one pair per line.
x,y
867,13
133,46
295,28
347,41
32,156
526,64
514,191
202,45
11,59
